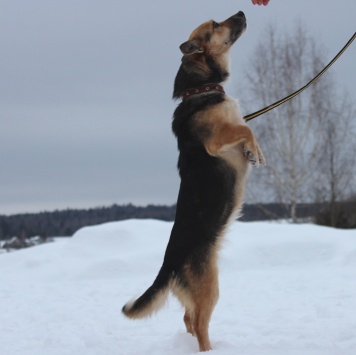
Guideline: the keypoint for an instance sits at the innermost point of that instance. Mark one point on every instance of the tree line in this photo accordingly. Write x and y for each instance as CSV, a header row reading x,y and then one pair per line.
x,y
67,222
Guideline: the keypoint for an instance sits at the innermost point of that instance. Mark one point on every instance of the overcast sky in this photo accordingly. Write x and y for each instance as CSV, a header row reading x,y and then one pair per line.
x,y
86,86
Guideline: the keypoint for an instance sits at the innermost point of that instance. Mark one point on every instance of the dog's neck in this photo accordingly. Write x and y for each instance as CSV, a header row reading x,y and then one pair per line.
x,y
202,90
190,77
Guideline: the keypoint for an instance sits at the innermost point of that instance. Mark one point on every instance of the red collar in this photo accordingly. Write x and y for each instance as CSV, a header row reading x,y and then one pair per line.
x,y
202,89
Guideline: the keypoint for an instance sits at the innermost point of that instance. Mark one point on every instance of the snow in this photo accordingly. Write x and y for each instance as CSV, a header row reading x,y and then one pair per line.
x,y
284,290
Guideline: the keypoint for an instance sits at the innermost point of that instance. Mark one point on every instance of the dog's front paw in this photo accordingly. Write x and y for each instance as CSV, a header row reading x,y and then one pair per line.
x,y
254,155
250,156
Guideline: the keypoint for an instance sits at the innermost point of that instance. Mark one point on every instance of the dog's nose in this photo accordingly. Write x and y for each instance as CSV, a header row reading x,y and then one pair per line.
x,y
240,14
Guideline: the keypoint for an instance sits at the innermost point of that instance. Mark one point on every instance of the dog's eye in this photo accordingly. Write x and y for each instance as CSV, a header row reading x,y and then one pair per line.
x,y
215,25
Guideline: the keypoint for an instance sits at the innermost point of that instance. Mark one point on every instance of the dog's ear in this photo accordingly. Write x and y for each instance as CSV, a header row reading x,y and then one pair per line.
x,y
191,47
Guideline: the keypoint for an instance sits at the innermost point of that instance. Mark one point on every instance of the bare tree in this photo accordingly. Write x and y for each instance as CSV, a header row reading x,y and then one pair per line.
x,y
301,138
337,173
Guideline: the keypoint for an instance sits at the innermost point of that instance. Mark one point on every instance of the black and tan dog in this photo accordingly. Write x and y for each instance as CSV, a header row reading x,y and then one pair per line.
x,y
215,148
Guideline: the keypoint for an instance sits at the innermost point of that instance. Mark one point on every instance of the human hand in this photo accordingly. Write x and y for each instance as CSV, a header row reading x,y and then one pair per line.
x,y
260,2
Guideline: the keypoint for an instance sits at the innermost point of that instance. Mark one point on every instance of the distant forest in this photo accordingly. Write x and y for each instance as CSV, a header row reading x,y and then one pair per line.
x,y
66,222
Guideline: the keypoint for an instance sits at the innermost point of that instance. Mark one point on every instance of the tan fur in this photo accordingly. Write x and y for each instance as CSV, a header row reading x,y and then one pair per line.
x,y
199,298
219,44
224,129
154,306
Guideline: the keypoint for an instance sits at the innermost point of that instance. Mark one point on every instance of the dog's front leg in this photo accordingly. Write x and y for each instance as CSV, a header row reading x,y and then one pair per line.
x,y
228,135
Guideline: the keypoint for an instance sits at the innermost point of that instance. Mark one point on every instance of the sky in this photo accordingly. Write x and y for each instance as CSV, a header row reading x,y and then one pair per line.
x,y
86,87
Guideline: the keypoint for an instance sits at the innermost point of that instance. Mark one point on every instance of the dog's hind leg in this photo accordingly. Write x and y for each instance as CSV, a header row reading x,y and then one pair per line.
x,y
188,321
205,301
201,321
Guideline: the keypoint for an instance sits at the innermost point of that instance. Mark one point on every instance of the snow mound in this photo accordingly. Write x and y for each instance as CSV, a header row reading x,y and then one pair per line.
x,y
284,289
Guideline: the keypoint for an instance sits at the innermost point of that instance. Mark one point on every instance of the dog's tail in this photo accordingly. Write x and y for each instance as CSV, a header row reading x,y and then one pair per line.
x,y
152,300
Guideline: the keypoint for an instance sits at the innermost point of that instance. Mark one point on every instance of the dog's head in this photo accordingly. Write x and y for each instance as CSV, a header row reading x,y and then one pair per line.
x,y
214,39
206,53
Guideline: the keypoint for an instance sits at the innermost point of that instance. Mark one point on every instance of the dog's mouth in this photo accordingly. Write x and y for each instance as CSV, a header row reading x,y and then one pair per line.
x,y
238,26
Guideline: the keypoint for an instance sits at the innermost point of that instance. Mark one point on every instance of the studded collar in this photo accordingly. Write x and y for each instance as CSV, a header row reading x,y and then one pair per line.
x,y
202,89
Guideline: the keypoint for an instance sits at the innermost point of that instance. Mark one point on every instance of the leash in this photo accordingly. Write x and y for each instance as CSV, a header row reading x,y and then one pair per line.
x,y
280,102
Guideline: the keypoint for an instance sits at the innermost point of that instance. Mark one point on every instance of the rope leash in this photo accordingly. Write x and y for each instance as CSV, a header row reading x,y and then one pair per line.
x,y
280,102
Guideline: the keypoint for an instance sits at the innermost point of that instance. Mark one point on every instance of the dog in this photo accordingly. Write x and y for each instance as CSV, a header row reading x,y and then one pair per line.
x,y
216,148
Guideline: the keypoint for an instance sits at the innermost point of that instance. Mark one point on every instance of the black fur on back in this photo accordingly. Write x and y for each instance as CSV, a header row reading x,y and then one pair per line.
x,y
205,199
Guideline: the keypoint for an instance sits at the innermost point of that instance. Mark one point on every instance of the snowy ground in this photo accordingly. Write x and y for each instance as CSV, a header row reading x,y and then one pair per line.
x,y
284,290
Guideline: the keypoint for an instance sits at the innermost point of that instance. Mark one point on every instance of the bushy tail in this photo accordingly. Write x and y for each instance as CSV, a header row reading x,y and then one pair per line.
x,y
152,300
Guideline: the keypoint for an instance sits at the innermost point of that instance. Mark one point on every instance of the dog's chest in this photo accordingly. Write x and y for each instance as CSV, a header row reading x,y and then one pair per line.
x,y
232,112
